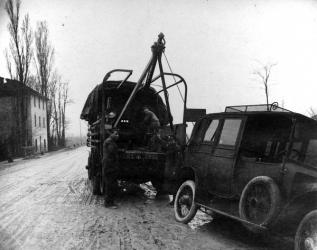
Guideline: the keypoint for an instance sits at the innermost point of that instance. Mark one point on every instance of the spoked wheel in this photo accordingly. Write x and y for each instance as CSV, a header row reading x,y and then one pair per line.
x,y
89,173
259,202
101,185
306,234
102,182
185,208
89,167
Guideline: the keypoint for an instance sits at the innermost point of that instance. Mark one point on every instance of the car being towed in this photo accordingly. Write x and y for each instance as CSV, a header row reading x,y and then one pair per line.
x,y
256,164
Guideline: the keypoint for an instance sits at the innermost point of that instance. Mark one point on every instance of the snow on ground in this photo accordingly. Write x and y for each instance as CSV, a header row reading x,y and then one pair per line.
x,y
46,203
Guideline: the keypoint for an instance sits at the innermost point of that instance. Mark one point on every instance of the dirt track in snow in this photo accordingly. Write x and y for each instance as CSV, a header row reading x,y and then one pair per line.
x,y
46,203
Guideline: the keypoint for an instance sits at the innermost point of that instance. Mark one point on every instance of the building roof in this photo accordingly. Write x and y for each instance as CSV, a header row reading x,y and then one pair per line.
x,y
10,87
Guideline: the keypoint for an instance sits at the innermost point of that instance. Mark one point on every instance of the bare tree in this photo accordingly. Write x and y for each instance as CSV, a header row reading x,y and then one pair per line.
x,y
51,107
18,59
65,101
59,100
44,58
264,74
312,113
21,53
33,83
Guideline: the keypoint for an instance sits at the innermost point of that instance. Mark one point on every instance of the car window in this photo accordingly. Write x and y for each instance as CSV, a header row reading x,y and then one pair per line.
x,y
230,132
311,153
295,151
200,131
210,132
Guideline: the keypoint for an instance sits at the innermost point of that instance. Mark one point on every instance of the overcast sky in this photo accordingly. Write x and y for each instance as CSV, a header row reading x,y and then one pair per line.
x,y
215,45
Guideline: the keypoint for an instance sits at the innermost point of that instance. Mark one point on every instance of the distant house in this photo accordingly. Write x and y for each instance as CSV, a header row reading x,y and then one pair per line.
x,y
23,125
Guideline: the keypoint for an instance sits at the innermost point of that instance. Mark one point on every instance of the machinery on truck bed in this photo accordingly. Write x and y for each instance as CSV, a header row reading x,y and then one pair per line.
x,y
117,105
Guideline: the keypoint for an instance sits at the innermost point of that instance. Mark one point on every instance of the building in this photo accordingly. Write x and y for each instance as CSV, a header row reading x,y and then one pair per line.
x,y
23,127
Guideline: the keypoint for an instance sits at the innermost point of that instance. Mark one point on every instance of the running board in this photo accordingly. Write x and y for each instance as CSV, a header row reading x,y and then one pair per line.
x,y
233,217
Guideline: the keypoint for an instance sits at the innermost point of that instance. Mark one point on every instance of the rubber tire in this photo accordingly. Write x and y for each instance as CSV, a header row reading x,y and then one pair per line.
x,y
308,217
89,174
89,169
95,181
102,182
275,198
193,208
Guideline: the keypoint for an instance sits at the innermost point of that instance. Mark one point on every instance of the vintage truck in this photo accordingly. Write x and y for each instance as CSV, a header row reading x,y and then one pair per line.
x,y
118,105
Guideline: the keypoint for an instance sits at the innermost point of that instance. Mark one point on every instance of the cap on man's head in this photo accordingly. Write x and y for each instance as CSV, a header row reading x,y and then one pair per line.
x,y
111,115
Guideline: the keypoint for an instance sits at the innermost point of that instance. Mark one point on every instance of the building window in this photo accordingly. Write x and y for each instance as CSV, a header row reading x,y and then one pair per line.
x,y
39,121
34,120
34,101
35,145
39,102
43,122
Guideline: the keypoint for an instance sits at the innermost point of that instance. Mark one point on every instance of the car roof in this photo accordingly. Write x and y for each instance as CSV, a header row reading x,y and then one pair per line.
x,y
267,114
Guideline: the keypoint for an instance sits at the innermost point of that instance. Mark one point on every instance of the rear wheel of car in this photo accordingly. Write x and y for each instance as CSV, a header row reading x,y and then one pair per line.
x,y
185,208
260,202
306,234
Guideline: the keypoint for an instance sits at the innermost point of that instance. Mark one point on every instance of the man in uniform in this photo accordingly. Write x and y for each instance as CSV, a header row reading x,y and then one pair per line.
x,y
110,168
151,120
152,124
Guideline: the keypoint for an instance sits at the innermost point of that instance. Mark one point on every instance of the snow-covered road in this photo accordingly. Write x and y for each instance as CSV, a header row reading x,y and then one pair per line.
x,y
46,203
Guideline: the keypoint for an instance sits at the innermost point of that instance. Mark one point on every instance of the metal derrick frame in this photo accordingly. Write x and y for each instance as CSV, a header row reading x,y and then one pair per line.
x,y
145,80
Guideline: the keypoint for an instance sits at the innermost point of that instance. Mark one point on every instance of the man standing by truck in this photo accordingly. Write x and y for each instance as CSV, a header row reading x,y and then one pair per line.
x,y
110,169
152,124
151,120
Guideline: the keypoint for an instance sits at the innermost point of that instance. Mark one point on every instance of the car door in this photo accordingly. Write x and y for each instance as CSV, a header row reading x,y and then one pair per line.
x,y
201,146
221,160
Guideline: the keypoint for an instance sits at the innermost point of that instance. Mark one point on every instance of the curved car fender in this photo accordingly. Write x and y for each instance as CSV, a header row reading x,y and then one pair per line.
x,y
306,192
197,176
182,173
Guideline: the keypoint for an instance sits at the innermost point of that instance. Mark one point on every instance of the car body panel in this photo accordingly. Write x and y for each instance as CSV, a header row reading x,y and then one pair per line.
x,y
265,145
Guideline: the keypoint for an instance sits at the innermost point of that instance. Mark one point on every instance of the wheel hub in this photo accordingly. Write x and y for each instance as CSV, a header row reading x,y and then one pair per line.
x,y
309,244
253,202
185,200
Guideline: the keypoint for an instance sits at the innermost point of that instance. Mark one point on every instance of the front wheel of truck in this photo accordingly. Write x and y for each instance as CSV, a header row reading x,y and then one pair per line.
x,y
95,181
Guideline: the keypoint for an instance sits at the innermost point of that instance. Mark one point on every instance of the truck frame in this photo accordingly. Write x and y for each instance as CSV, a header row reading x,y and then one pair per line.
x,y
138,161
